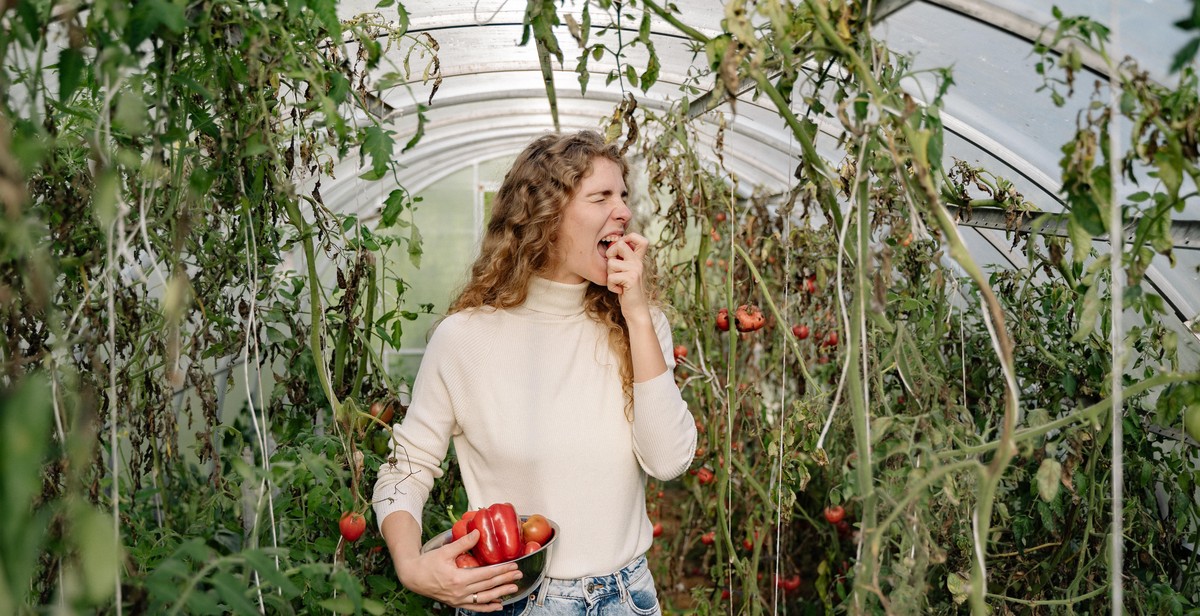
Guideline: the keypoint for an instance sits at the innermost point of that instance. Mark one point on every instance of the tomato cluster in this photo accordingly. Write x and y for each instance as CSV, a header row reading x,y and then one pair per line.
x,y
502,537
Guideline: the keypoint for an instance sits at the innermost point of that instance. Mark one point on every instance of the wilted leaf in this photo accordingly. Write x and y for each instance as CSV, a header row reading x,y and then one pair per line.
x,y
1049,478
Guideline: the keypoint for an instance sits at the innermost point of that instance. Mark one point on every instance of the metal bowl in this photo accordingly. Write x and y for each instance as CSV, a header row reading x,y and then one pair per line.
x,y
532,566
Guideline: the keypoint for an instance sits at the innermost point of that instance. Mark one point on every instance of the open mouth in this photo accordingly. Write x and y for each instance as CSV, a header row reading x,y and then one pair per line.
x,y
606,242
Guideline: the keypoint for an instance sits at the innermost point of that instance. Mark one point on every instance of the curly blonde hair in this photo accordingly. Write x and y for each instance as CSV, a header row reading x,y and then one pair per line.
x,y
519,240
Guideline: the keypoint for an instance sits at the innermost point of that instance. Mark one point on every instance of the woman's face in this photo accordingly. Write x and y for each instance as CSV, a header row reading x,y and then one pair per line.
x,y
594,218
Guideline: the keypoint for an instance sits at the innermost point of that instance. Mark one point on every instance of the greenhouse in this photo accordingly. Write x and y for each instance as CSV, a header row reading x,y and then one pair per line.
x,y
923,275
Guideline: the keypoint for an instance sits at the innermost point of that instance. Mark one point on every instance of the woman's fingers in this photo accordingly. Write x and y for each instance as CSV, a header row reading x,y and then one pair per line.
x,y
629,247
485,596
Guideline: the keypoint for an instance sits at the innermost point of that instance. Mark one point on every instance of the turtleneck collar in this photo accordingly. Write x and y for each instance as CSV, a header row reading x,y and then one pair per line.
x,y
556,298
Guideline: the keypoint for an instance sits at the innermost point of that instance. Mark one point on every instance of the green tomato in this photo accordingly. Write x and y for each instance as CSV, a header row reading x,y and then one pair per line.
x,y
1191,420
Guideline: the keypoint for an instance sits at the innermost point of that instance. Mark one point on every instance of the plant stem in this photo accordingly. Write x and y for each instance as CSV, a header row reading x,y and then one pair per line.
x,y
1085,414
1047,602
316,328
670,18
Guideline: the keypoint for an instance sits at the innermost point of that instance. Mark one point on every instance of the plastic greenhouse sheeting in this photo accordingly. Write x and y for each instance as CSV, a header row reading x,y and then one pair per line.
x,y
491,98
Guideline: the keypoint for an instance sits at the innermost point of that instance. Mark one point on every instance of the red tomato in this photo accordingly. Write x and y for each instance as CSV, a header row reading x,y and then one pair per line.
x,y
810,285
705,476
831,340
352,525
708,538
658,529
462,527
749,318
723,319
531,547
800,331
680,352
748,544
835,514
383,410
788,584
720,216
537,529
466,560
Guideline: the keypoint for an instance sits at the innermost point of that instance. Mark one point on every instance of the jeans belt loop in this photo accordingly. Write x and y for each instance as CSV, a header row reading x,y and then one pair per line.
x,y
539,593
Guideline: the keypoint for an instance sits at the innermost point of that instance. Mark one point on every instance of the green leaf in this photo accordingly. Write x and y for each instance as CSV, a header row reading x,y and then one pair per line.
x,y
1081,240
1087,317
631,75
650,76
644,29
1186,54
377,144
99,553
1086,212
340,604
266,567
1049,479
421,109
70,72
414,246
395,203
326,12
275,336
402,19
1170,170
233,593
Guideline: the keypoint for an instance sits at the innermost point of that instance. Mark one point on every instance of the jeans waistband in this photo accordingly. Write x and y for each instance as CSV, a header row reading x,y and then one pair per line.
x,y
593,587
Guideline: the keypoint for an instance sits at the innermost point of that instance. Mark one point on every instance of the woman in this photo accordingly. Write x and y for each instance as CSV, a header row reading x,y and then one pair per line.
x,y
552,376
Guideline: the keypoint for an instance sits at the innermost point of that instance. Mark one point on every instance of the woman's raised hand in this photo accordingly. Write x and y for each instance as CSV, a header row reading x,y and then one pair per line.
x,y
625,258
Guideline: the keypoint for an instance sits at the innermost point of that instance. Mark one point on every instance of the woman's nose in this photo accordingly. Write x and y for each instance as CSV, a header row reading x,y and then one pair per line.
x,y
622,212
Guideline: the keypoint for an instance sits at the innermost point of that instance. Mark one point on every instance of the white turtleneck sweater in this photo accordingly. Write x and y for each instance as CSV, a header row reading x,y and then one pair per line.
x,y
532,398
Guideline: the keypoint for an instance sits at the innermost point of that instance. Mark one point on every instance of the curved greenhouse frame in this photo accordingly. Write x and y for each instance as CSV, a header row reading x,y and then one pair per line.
x,y
973,228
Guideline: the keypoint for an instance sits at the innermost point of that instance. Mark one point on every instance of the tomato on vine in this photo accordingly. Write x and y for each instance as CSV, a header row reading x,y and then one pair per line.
x,y
723,319
835,514
352,525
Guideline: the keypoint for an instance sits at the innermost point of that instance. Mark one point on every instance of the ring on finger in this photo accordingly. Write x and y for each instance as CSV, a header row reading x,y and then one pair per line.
x,y
474,597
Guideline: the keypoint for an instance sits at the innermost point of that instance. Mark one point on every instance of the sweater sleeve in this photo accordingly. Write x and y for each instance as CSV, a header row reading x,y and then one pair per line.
x,y
664,432
420,441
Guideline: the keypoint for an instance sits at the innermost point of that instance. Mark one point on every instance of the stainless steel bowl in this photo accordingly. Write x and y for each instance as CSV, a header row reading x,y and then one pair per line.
x,y
532,566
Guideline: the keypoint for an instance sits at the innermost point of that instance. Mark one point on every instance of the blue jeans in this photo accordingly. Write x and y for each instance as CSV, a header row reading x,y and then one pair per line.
x,y
628,591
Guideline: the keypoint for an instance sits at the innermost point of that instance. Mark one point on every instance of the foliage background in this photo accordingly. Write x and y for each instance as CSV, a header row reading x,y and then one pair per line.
x,y
161,167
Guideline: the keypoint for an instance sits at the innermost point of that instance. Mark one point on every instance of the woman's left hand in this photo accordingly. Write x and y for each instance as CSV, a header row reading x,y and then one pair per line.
x,y
625,258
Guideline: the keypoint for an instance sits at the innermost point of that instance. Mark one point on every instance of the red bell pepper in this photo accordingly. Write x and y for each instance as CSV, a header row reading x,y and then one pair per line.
x,y
499,534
